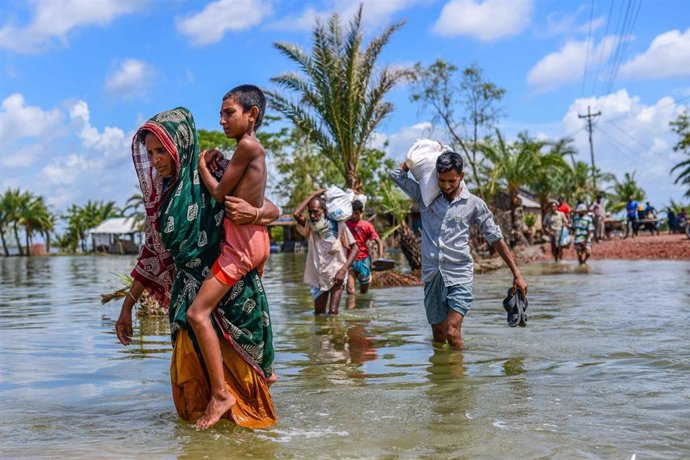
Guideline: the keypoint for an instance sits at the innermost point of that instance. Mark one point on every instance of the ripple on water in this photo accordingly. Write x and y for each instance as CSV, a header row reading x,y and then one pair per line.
x,y
583,380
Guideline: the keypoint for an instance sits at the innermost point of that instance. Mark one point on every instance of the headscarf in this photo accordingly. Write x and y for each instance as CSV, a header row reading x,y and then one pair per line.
x,y
183,234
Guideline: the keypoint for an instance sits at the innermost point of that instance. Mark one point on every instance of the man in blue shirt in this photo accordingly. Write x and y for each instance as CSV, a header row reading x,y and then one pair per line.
x,y
447,265
631,209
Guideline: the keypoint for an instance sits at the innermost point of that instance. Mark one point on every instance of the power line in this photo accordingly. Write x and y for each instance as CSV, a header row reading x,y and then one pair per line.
x,y
589,45
655,107
602,46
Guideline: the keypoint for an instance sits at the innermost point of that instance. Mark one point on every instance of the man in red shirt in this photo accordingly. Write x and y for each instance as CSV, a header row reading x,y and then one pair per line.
x,y
363,232
564,208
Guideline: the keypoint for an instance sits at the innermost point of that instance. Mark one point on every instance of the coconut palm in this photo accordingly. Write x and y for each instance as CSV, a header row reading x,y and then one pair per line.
x,y
681,126
12,202
339,92
34,217
5,215
517,165
81,219
622,190
135,206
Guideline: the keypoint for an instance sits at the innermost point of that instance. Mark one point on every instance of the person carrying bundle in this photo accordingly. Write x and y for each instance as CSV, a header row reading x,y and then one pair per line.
x,y
447,265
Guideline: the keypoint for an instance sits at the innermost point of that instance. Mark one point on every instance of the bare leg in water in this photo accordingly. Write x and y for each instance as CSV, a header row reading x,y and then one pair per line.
x,y
449,330
199,316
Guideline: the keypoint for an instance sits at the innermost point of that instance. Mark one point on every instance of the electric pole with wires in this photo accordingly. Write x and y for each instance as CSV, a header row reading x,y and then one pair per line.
x,y
590,116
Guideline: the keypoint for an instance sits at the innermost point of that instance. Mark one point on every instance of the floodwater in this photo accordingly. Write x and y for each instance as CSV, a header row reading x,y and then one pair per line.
x,y
601,371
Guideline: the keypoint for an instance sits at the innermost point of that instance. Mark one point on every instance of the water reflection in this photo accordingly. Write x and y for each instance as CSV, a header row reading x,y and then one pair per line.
x,y
367,383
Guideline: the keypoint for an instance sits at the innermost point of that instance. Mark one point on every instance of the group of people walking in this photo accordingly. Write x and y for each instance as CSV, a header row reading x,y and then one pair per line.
x,y
564,226
206,245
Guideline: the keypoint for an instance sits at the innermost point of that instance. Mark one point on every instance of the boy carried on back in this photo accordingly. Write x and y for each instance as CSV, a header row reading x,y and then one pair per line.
x,y
246,247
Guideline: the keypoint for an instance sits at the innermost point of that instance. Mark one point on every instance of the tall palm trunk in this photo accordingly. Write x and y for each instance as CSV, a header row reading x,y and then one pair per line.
x,y
4,243
16,237
410,247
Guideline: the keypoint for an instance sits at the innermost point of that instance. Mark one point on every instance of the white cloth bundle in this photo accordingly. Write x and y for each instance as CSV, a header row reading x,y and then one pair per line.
x,y
338,204
354,196
421,159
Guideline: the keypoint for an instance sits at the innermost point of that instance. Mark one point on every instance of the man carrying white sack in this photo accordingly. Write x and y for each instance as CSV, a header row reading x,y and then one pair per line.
x,y
447,266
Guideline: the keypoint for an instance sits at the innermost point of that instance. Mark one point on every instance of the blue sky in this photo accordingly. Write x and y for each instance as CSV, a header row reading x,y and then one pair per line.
x,y
78,76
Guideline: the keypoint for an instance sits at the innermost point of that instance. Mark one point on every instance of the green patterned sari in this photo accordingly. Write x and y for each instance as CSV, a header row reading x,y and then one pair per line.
x,y
183,234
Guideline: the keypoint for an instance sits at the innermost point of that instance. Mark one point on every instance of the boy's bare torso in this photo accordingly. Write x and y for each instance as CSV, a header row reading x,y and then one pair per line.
x,y
252,184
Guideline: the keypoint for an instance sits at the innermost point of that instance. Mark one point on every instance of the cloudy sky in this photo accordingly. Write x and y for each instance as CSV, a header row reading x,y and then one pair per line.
x,y
78,76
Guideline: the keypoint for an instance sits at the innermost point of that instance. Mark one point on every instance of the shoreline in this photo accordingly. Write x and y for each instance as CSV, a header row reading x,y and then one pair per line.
x,y
642,247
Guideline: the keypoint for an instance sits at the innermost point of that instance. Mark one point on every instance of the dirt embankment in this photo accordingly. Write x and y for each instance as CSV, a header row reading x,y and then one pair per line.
x,y
664,246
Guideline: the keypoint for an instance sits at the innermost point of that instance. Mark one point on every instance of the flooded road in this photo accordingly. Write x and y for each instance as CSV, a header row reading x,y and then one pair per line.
x,y
601,371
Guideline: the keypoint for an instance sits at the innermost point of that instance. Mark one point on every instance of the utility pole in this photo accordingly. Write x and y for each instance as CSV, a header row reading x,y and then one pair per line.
x,y
589,118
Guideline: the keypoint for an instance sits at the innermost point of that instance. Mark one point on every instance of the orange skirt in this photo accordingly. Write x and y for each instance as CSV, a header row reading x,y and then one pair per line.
x,y
192,392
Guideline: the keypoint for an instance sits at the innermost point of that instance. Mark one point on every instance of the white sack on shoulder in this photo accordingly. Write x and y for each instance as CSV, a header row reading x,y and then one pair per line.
x,y
338,204
421,159
354,196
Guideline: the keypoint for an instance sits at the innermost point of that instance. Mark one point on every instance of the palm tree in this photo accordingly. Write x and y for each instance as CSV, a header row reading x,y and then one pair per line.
x,y
81,219
34,217
5,212
623,190
517,165
12,202
339,91
135,204
681,126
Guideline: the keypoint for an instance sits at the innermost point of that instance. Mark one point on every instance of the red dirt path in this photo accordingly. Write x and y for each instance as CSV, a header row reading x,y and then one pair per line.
x,y
664,246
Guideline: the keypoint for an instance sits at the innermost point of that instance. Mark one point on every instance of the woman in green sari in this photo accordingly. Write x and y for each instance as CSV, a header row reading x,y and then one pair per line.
x,y
183,234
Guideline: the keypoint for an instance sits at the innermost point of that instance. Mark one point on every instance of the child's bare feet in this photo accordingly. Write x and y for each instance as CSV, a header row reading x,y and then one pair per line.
x,y
217,406
272,379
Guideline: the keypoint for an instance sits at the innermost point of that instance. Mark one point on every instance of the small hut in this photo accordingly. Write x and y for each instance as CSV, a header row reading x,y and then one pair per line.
x,y
117,235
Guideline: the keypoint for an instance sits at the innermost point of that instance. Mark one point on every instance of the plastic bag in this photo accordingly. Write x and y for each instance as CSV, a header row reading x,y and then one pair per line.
x,y
338,204
354,196
564,238
421,159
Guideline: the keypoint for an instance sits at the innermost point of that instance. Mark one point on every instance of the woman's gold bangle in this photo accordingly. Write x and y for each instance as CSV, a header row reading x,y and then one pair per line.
x,y
256,218
129,293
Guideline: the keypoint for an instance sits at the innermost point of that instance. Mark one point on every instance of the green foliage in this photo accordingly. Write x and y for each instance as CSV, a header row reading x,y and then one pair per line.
x,y
622,190
301,167
468,106
339,92
392,201
134,209
25,211
215,140
530,220
82,218
681,126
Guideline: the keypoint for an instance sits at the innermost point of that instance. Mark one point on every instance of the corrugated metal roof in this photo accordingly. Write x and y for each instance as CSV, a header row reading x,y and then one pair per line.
x,y
115,226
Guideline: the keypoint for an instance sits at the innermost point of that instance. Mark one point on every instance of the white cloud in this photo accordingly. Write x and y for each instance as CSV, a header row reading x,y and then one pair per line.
x,y
131,78
61,156
111,142
562,24
374,13
17,121
222,16
568,64
484,20
667,56
630,136
55,19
